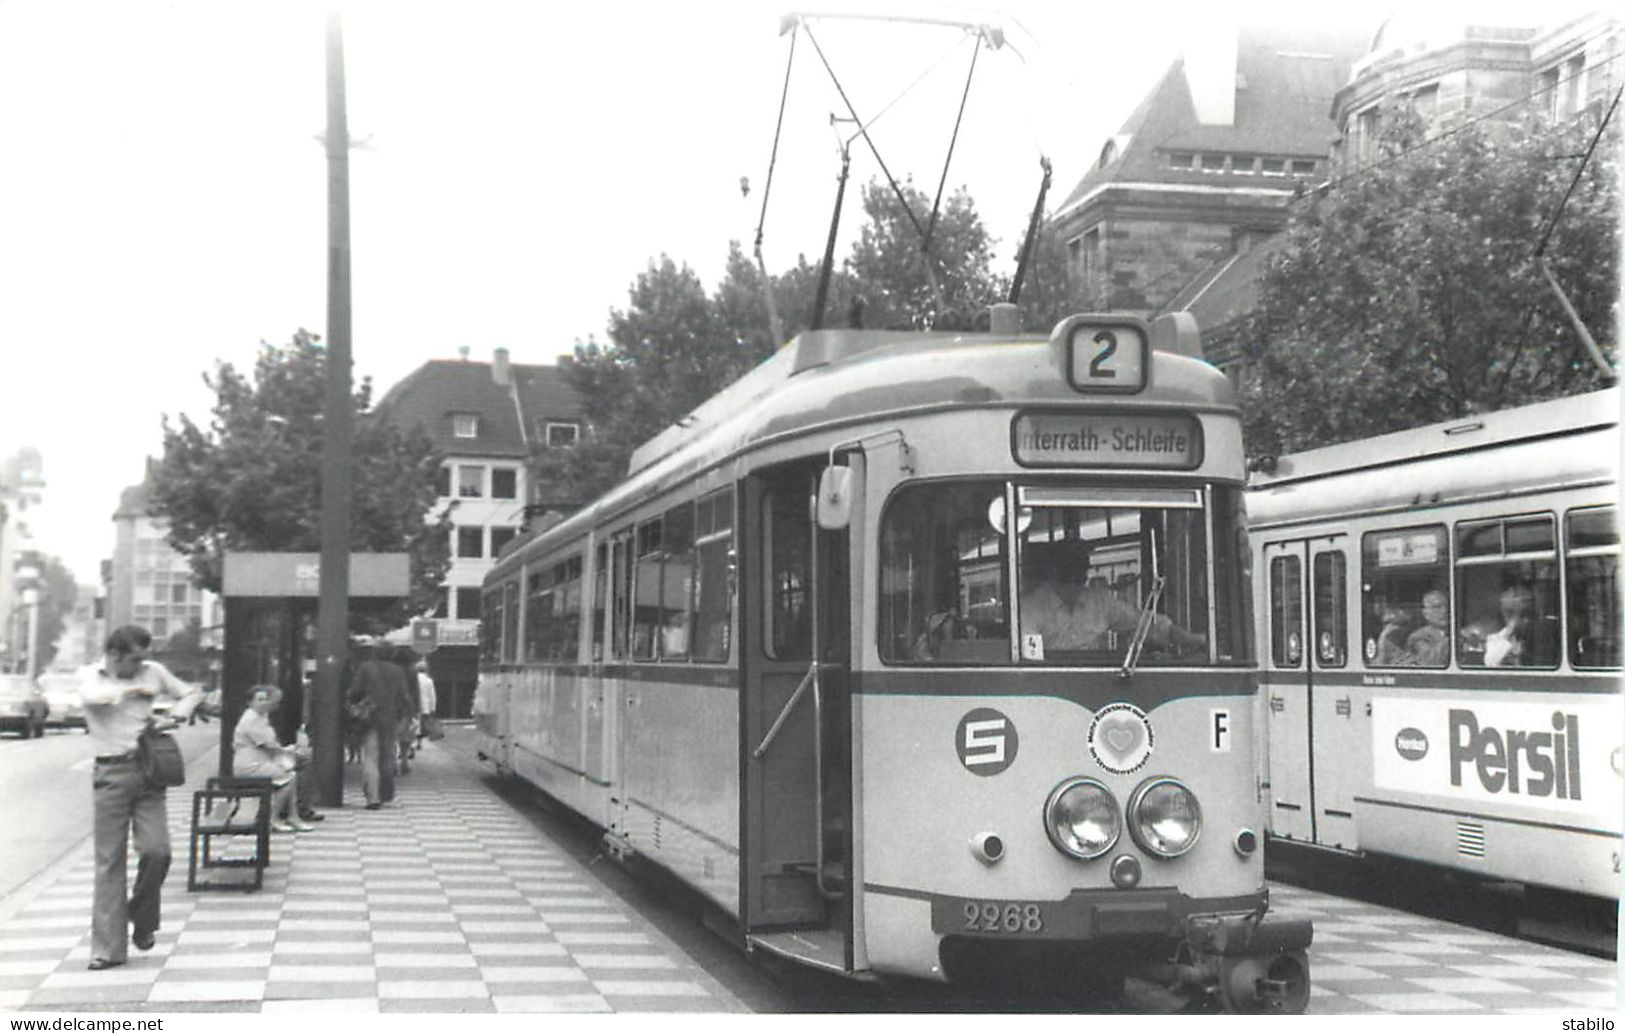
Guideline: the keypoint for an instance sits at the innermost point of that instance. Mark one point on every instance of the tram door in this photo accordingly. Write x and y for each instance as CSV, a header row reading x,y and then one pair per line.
x,y
1306,610
794,714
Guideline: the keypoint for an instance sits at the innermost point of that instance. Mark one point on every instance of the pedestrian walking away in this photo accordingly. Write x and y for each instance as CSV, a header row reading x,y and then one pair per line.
x,y
428,723
119,696
373,703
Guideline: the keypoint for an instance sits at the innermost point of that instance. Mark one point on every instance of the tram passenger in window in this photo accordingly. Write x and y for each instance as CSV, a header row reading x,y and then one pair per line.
x,y
1065,611
1428,645
1509,646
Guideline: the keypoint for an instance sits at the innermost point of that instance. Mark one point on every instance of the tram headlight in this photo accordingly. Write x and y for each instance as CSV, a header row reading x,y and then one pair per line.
x,y
1164,817
1082,818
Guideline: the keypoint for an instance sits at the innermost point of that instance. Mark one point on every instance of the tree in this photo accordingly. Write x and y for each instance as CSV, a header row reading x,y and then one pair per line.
x,y
891,270
674,346
251,479
1050,292
1410,292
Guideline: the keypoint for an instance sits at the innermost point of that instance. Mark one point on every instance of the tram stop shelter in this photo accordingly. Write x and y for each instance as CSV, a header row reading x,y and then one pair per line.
x,y
270,628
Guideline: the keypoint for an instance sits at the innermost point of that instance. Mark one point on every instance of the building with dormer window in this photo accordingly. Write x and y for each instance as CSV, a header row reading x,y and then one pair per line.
x,y
484,418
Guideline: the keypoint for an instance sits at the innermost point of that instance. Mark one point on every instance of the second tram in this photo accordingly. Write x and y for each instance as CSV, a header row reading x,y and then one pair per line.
x,y
1440,638
913,651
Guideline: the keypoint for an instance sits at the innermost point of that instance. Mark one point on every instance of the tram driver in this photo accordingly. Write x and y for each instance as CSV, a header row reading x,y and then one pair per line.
x,y
1062,610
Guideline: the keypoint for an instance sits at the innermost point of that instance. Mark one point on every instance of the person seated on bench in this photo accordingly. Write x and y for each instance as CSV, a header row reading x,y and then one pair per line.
x,y
257,751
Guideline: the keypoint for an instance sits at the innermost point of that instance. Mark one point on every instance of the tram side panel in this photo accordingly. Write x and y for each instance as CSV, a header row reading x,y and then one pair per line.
x,y
679,792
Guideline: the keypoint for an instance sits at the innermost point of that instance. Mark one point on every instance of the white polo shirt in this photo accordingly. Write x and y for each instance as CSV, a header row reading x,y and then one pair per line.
x,y
116,709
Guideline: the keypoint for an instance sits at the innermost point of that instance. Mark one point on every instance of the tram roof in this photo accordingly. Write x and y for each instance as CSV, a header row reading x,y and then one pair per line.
x,y
825,379
1504,452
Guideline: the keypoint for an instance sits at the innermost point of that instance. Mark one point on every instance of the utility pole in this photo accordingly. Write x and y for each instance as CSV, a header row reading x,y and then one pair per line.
x,y
333,589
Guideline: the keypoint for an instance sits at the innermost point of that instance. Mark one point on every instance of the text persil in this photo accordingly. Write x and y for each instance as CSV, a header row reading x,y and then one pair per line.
x,y
1518,761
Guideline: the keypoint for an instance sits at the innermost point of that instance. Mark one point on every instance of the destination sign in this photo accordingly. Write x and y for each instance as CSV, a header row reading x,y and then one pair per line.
x,y
1171,441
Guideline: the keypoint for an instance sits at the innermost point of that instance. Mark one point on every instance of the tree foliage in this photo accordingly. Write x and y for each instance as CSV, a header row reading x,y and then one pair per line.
x,y
250,480
674,345
1411,292
896,275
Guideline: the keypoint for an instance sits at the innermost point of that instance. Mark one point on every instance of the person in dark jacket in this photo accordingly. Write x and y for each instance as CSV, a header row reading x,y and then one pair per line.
x,y
383,683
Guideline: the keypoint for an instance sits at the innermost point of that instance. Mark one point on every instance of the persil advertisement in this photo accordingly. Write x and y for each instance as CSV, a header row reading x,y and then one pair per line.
x,y
1560,756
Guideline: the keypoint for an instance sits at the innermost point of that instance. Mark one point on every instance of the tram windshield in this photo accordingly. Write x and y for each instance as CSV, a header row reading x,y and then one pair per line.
x,y
1095,569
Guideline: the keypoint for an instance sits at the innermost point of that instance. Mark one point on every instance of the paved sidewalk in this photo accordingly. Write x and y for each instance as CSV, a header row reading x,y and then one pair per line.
x,y
444,901
1367,958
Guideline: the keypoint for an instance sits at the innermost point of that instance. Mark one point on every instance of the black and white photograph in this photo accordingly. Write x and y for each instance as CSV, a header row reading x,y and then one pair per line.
x,y
633,512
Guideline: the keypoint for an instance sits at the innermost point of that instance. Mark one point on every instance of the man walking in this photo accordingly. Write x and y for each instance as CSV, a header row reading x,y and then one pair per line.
x,y
118,695
383,685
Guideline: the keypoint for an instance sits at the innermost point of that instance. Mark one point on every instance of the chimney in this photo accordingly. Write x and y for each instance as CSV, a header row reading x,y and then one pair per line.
x,y
499,367
1210,69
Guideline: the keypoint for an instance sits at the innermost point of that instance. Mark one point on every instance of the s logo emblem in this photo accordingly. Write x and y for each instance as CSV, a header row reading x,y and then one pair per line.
x,y
986,741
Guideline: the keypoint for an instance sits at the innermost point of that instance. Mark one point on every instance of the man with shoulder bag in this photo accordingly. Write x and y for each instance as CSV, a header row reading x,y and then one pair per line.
x,y
373,705
118,695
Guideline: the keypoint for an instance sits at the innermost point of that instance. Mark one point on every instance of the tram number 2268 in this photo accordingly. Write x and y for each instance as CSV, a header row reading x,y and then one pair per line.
x,y
987,916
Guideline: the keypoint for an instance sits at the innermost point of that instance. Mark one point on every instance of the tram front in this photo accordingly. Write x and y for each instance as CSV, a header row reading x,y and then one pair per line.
x,y
1053,700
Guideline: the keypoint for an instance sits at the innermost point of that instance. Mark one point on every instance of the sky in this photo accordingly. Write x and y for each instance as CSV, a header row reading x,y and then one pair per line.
x,y
163,190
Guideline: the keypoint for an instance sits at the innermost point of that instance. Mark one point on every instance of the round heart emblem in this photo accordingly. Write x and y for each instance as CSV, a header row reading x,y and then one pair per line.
x,y
1120,737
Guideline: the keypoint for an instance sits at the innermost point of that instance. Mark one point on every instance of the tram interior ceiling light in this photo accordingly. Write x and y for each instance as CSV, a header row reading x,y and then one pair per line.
x,y
1082,818
1164,817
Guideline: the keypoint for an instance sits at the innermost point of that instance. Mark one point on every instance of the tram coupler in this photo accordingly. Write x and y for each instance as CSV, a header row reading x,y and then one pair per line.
x,y
1252,964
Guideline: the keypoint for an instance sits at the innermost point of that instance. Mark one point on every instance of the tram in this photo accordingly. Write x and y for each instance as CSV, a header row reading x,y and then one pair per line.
x,y
804,660
1440,645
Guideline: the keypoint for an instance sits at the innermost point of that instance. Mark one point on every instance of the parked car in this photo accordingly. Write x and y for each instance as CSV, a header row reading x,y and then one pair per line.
x,y
61,691
23,708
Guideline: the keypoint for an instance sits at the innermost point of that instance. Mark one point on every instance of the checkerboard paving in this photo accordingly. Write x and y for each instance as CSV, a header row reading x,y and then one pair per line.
x,y
1367,958
444,901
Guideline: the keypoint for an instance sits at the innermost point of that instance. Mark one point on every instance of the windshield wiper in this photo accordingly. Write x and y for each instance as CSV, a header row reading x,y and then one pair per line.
x,y
1148,613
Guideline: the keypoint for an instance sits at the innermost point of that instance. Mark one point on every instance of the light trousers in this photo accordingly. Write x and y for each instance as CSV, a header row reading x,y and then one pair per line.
x,y
126,808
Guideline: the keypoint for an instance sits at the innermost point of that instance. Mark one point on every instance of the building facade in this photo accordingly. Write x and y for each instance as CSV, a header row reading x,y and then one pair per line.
x,y
22,487
484,418
1181,210
1207,164
1450,71
150,584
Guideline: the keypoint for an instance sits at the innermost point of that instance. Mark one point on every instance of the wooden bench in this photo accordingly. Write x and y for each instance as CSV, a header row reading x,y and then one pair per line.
x,y
216,812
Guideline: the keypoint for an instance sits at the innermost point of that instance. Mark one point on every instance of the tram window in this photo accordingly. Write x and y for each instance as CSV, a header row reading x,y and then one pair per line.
x,y
1286,611
1102,567
567,601
788,606
1506,592
1405,597
491,626
943,592
646,591
620,572
1592,547
1232,612
713,574
676,581
1330,595
553,611
600,600
538,614
510,622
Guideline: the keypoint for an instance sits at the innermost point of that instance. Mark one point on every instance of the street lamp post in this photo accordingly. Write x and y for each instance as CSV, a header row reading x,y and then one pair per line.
x,y
31,600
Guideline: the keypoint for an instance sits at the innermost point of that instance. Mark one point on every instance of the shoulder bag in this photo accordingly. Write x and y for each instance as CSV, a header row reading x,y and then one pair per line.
x,y
160,758
362,710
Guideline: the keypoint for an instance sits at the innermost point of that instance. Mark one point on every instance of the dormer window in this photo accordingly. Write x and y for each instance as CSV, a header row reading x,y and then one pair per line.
x,y
465,425
562,435
1108,153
